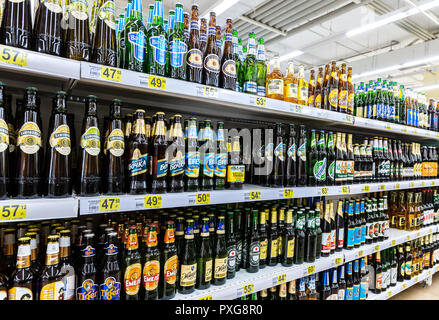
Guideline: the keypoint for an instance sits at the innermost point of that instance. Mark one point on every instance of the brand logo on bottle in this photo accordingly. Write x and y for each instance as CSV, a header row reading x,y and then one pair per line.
x,y
115,143
177,50
192,164
188,275
79,9
292,152
231,259
212,63
319,170
4,135
280,151
106,13
52,291
87,291
162,168
195,58
110,289
151,275
111,250
254,254
301,152
250,87
29,138
220,164
333,98
209,164
176,165
138,40
229,68
60,140
90,141
138,163
132,279
88,251
170,270
159,46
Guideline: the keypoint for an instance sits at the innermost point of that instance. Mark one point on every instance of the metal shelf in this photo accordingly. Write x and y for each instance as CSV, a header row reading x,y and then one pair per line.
x,y
93,205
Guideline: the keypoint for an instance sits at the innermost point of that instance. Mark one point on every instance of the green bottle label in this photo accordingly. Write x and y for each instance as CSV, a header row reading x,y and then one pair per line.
x,y
319,170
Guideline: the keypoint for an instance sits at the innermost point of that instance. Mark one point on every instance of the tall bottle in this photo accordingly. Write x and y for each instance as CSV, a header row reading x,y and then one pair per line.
x,y
188,264
132,266
231,246
168,264
288,241
253,252
204,257
333,88
135,40
104,40
66,264
110,286
21,283
207,156
159,162
279,157
220,253
291,159
78,42
275,81
228,74
235,168
177,47
51,285
302,90
5,143
299,254
194,58
176,157
157,43
47,28
151,268
249,67
29,154
302,177
192,158
311,89
86,283
91,147
291,85
343,91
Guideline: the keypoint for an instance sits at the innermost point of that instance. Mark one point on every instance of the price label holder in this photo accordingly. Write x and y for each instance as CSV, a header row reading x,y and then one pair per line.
x,y
393,243
428,134
156,82
109,204
349,118
416,279
404,130
282,278
153,202
415,131
13,56
210,92
298,108
376,248
412,184
202,198
260,101
12,211
429,272
310,269
324,191
255,195
338,261
360,253
388,127
206,298
366,188
404,286
345,190
113,74
389,294
430,231
418,235
422,184
382,187
288,193
433,183
246,289
397,186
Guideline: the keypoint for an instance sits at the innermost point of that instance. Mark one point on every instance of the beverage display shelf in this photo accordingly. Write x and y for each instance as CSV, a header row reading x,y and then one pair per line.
x,y
245,283
18,210
121,203
401,286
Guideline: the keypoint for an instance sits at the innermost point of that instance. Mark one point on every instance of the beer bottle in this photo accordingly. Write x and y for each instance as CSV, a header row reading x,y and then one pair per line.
x,y
275,81
254,245
351,92
288,241
21,284
51,284
301,290
220,158
194,58
104,39
238,227
263,240
47,30
277,175
343,91
311,89
231,246
211,63
207,157
188,264
249,67
291,161
261,69
301,158
302,90
299,254
325,292
111,272
349,291
86,285
330,160
5,143
91,147
29,154
313,155
192,160
311,237
221,254
204,258
151,268
59,151
203,34
159,159
168,264
319,169
66,265
311,287
176,156
318,92
132,267
78,44
219,42
333,88
273,236
123,31
291,84
138,159
292,290
157,43
34,259
319,233
228,74
135,40
16,24
177,47
235,168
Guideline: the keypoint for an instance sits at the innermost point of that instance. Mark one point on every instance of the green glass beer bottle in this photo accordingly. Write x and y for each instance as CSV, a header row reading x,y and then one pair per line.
x,y
250,85
157,42
135,40
177,47
188,265
204,258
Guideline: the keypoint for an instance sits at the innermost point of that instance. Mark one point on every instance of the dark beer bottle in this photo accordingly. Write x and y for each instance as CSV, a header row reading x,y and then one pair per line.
x,y
235,168
5,142
253,244
66,264
204,258
168,263
151,268
231,246
51,284
319,170
211,63
228,63
318,233
135,40
302,158
299,254
263,240
78,44
330,175
311,237
192,160
238,227
221,254
343,90
86,284
132,267
29,153
176,156
159,161
333,88
273,236
157,45
47,28
111,269
177,47
313,158
91,148
291,161
104,39
16,27
203,34
194,58
21,284
188,264
288,241
278,172
220,158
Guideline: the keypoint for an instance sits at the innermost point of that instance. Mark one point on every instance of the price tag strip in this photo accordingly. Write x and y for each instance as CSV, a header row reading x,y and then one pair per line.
x,y
13,56
112,74
12,211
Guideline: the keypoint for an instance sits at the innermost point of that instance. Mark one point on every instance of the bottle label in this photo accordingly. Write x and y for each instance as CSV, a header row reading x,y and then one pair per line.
x,y
177,50
110,289
90,141
87,291
170,270
162,168
138,40
331,171
29,138
379,281
333,239
275,86
229,68
291,90
340,238
209,164
212,63
357,235
290,248
88,251
151,275
3,295
52,291
250,87
363,233
303,93
138,163
79,9
301,152
239,251
107,13
356,292
59,140
220,268
54,7
260,91
69,281
263,246
231,259
208,269
343,99
274,248
220,164
159,46
279,151
192,167
351,237
20,293
235,173
363,290
195,25
333,98
4,135
176,165
341,294
132,279
318,101
12,137
292,152
188,275
115,143
393,275
195,58
349,294
254,254
319,170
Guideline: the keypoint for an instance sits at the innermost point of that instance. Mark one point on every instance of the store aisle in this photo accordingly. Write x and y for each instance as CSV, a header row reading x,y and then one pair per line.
x,y
418,292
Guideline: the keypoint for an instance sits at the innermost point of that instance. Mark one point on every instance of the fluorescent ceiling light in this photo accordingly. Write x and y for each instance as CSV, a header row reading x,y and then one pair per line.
x,y
221,7
377,71
427,88
291,55
392,18
425,13
421,61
